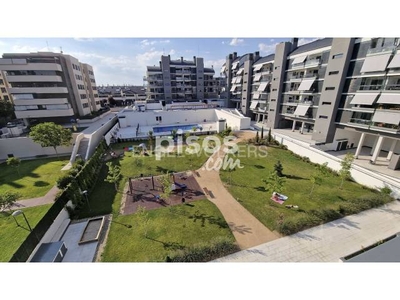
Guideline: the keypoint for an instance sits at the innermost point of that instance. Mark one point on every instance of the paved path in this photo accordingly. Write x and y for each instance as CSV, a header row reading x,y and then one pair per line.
x,y
247,230
328,242
46,199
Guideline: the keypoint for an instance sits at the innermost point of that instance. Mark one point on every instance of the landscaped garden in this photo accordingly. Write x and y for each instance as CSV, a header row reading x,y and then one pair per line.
x,y
32,178
12,236
315,196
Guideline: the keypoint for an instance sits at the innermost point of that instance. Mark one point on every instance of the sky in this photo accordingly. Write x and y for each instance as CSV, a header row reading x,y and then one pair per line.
x,y
118,61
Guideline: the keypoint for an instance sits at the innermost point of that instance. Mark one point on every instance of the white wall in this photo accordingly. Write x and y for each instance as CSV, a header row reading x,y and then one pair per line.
x,y
113,131
25,147
97,136
233,120
360,175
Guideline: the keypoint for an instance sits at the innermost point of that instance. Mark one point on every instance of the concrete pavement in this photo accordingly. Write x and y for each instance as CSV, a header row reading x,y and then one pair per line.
x,y
46,199
328,242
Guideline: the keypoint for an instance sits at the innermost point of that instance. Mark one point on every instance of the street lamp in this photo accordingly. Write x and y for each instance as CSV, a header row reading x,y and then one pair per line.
x,y
17,213
85,192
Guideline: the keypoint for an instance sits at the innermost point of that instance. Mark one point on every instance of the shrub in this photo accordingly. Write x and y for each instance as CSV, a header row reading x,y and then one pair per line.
x,y
386,190
298,223
219,247
326,214
63,181
371,201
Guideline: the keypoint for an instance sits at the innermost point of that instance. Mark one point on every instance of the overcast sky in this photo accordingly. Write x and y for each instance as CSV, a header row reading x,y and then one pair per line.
x,y
124,60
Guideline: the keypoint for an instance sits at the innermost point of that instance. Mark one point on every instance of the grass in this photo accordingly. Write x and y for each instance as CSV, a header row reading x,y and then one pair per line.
x,y
190,224
36,177
104,199
247,187
11,236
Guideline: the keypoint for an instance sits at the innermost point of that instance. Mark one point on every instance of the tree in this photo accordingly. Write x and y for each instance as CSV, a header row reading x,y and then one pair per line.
x,y
6,110
316,178
194,129
257,138
114,174
151,140
49,134
14,162
262,133
344,172
269,136
166,186
174,133
111,100
278,168
185,136
274,182
8,199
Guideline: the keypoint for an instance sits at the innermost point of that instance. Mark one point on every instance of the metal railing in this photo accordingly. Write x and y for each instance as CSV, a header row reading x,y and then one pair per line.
x,y
370,87
360,121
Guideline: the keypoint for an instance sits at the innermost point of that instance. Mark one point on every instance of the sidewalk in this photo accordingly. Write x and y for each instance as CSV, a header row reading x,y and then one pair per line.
x,y
46,199
248,231
328,242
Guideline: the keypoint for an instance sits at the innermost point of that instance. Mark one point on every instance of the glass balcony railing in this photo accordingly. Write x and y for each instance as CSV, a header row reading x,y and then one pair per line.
x,y
386,126
386,49
370,87
360,121
392,87
315,61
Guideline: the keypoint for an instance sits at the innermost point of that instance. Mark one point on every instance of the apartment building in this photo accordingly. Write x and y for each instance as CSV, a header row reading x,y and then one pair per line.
x,y
180,80
344,92
4,88
122,94
47,86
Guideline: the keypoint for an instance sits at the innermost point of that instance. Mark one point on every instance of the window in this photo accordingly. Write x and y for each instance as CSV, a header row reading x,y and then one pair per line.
x,y
158,118
323,117
1,81
83,96
6,98
273,100
276,68
339,55
374,43
333,72
3,90
85,105
271,109
274,90
326,103
329,88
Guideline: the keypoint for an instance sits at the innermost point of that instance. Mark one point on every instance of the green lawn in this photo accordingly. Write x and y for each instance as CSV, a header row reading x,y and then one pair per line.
x,y
197,222
247,187
11,236
36,177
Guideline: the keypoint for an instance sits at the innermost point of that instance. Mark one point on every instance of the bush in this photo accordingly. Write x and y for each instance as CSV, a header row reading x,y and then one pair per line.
x,y
298,223
64,180
326,214
219,247
386,190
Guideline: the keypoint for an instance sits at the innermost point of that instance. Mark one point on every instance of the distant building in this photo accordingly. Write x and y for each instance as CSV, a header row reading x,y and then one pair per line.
x,y
4,88
48,86
122,94
181,80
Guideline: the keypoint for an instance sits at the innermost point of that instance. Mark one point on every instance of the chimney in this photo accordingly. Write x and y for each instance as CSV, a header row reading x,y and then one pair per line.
x,y
256,55
234,55
294,44
181,59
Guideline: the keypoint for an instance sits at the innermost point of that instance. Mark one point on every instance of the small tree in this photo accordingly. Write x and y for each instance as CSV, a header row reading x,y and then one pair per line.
x,y
344,172
194,129
111,100
8,199
185,136
151,140
257,138
144,219
166,187
114,174
269,136
316,178
274,182
14,162
49,134
262,133
278,168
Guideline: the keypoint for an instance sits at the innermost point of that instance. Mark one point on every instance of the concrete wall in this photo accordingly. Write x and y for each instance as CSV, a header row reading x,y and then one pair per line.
x,y
109,134
97,136
360,175
234,121
25,147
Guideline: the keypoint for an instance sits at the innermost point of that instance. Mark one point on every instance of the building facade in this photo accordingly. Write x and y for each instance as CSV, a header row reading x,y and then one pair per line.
x,y
47,86
122,94
344,92
4,88
181,80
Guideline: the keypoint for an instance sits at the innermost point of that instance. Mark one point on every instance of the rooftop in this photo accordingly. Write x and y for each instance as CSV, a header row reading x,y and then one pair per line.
x,y
321,43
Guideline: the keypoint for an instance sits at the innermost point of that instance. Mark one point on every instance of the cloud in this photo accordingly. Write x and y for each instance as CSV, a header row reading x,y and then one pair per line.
x,y
27,49
236,42
146,42
271,40
223,42
304,41
84,39
267,48
217,64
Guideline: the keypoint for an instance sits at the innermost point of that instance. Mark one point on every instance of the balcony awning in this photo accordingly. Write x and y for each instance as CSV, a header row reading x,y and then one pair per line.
x,y
239,79
240,71
258,67
223,69
389,99
395,63
234,65
233,88
263,86
257,77
301,110
306,84
386,117
299,59
233,80
256,95
364,99
254,104
375,63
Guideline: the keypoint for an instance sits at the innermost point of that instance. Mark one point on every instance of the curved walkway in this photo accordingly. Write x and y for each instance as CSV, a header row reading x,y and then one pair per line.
x,y
248,231
46,199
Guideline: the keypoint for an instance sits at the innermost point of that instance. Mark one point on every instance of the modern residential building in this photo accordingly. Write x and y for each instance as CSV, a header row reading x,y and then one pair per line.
x,y
181,80
4,88
343,92
48,86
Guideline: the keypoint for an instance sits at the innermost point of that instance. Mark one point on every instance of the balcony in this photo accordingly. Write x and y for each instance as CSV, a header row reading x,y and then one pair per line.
x,y
44,113
41,101
361,122
34,78
38,90
312,63
369,87
381,50
392,87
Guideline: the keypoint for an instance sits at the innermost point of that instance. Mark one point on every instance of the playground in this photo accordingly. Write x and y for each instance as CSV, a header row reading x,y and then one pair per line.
x,y
145,191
